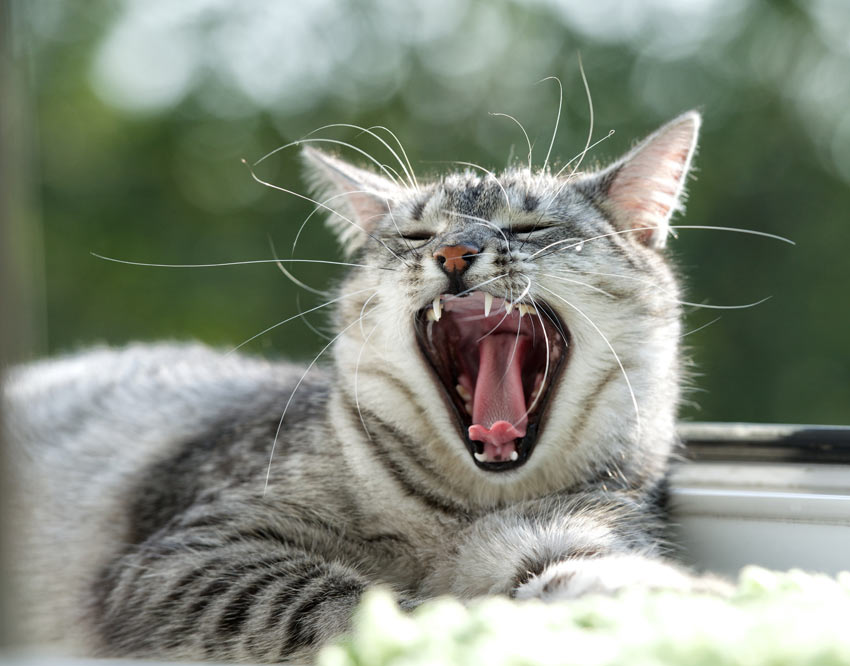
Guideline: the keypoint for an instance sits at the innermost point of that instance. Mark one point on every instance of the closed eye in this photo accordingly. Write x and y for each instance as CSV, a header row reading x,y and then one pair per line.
x,y
527,228
417,235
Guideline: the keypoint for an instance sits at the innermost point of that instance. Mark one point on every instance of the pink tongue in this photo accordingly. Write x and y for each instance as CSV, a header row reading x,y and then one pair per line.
x,y
498,409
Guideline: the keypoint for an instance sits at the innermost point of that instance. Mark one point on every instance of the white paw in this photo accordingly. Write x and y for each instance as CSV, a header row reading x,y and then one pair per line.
x,y
604,575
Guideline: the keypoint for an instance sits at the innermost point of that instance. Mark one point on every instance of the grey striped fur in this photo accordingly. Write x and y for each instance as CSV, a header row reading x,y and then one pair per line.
x,y
146,525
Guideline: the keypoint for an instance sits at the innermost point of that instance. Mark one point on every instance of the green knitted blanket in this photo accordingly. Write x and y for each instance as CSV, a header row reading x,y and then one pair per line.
x,y
773,619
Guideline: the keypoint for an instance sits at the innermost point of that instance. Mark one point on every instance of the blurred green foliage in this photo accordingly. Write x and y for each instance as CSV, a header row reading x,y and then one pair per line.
x,y
141,112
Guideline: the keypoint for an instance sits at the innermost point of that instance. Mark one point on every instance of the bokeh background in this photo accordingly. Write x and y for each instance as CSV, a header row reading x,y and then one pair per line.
x,y
130,118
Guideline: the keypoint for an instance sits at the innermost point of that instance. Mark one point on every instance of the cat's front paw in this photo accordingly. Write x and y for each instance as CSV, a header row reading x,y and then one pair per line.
x,y
607,575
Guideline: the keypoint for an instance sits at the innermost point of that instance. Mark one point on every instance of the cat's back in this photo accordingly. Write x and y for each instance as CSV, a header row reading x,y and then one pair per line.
x,y
64,418
82,430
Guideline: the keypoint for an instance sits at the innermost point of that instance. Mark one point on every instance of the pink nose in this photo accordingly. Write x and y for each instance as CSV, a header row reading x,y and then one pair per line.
x,y
455,258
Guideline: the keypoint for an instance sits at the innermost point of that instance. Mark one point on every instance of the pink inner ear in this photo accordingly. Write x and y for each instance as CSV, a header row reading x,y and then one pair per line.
x,y
358,196
367,207
649,184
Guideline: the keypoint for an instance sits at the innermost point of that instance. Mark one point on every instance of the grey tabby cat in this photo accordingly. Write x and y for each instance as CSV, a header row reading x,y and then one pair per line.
x,y
497,419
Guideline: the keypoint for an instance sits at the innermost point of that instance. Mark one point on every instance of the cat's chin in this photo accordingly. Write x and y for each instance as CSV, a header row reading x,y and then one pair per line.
x,y
498,364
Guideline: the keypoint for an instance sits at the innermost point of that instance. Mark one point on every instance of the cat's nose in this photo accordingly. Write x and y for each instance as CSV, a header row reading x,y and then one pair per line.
x,y
455,258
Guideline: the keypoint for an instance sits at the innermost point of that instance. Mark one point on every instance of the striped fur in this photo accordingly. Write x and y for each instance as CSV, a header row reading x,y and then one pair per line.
x,y
148,525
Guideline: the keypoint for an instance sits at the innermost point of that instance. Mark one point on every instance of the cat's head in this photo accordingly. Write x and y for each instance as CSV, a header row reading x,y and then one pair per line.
x,y
516,332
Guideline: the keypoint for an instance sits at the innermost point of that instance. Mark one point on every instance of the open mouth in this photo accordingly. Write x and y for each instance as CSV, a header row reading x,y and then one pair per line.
x,y
497,363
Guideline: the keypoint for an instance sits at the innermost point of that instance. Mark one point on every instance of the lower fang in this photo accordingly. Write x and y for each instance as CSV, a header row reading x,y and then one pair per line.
x,y
480,457
488,303
514,456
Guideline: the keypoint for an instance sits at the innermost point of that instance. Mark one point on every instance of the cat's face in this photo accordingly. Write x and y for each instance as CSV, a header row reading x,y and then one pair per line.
x,y
517,331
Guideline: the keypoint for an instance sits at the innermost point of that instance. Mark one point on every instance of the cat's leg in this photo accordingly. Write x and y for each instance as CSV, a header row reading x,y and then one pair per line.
x,y
225,595
565,547
607,574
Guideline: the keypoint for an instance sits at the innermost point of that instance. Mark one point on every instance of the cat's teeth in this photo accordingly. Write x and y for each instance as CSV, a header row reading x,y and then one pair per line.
x,y
436,309
480,457
463,393
508,306
514,456
526,310
535,392
488,303
431,316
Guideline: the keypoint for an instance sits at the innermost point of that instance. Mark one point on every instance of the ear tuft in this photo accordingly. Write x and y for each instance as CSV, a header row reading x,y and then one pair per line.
x,y
356,199
643,189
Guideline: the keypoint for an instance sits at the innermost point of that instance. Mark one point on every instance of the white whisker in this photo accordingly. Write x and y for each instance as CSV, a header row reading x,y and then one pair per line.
x,y
356,371
524,291
582,242
524,133
291,277
513,354
317,203
534,402
318,208
297,385
590,129
666,292
582,154
736,230
300,314
306,321
392,169
610,346
337,142
583,284
555,323
699,328
557,118
357,368
398,231
403,152
240,263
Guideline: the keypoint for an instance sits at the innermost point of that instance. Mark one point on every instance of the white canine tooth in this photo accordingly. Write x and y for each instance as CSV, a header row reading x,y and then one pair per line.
x,y
526,309
437,309
508,306
514,456
488,303
431,315
463,393
480,457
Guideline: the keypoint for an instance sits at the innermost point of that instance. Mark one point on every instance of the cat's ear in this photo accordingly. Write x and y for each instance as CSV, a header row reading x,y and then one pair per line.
x,y
355,199
643,189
